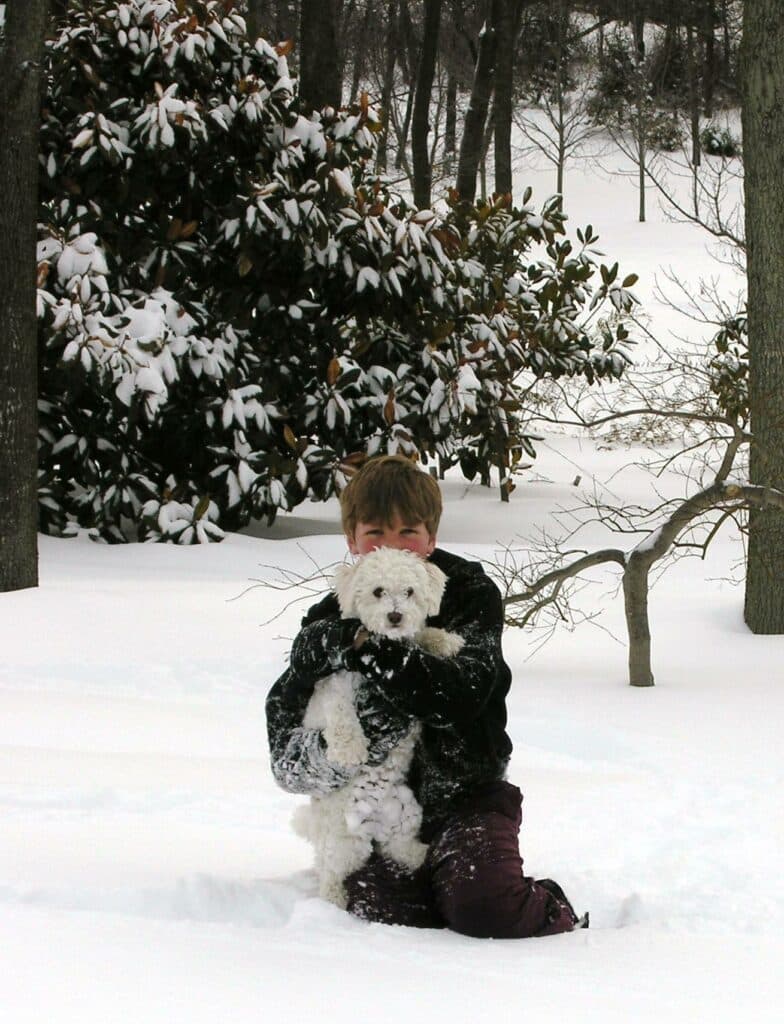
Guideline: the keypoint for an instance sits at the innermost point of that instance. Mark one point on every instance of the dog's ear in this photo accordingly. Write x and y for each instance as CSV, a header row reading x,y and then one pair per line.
x,y
436,582
343,585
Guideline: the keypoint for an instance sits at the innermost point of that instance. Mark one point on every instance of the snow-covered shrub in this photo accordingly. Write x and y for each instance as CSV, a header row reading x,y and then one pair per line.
x,y
717,140
234,310
662,131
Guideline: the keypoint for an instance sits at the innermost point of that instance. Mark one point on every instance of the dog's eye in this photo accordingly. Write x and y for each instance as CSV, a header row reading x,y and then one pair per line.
x,y
378,592
410,592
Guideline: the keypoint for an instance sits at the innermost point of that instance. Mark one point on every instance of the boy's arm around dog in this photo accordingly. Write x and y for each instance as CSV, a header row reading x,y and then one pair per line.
x,y
298,754
402,683
443,692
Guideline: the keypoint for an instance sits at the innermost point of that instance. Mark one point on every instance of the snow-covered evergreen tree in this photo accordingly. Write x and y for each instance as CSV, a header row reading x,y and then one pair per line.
x,y
234,309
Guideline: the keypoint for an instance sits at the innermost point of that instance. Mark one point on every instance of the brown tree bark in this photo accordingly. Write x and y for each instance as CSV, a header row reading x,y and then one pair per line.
x,y
388,85
409,61
254,11
20,76
474,127
707,30
320,68
726,49
638,27
420,119
763,153
694,100
560,90
450,130
360,54
635,597
508,12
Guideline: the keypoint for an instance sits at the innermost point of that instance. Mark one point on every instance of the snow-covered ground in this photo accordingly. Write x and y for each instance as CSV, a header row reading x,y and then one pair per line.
x,y
147,869
148,873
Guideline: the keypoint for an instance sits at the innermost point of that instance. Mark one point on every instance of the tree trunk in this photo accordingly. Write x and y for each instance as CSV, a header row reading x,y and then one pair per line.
x,y
507,13
320,71
450,131
409,60
640,114
726,52
763,154
286,20
502,467
253,17
20,76
560,91
488,138
641,157
420,120
694,100
388,86
635,595
474,128
707,29
559,181
360,54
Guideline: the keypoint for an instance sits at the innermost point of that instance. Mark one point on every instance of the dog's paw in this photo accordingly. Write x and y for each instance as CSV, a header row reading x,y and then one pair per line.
x,y
439,642
410,853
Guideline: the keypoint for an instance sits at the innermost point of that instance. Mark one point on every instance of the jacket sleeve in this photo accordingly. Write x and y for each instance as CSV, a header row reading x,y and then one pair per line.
x,y
298,755
442,692
319,647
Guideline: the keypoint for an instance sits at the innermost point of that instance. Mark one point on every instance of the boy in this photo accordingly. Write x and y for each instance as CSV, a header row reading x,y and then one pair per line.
x,y
472,879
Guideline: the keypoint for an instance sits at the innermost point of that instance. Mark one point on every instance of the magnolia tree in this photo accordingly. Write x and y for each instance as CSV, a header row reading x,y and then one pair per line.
x,y
234,310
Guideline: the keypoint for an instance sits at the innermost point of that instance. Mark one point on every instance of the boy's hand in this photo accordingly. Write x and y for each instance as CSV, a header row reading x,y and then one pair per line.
x,y
373,647
319,648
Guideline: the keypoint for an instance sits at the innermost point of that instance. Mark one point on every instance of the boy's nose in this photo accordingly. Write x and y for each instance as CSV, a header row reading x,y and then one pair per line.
x,y
395,618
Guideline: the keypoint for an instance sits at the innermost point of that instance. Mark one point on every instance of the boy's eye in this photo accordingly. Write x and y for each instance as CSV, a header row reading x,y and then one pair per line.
x,y
378,592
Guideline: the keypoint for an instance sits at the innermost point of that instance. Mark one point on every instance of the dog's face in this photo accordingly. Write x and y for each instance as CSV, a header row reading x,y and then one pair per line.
x,y
391,592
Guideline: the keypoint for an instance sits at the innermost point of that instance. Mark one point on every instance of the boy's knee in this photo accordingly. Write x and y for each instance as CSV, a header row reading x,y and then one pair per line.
x,y
478,881
476,867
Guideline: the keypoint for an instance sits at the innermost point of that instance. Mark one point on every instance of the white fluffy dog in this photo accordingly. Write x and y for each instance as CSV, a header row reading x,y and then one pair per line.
x,y
391,592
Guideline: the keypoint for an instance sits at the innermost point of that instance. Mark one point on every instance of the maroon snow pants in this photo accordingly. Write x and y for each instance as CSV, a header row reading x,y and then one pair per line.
x,y
472,880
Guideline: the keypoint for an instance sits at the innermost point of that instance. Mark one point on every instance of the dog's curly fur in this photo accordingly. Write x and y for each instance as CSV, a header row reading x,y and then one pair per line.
x,y
391,592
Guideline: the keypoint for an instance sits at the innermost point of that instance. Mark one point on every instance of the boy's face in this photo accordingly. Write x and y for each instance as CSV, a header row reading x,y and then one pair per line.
x,y
395,534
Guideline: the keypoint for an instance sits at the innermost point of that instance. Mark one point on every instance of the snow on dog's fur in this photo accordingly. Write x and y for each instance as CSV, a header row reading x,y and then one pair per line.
x,y
391,592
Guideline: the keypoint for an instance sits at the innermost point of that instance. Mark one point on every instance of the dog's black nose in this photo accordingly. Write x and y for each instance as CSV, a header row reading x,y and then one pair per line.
x,y
395,618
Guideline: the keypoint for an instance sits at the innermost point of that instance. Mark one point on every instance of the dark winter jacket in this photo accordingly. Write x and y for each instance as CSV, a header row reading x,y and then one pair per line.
x,y
460,701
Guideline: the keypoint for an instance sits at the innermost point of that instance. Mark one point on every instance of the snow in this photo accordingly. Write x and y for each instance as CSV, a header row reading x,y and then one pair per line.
x,y
147,867
148,872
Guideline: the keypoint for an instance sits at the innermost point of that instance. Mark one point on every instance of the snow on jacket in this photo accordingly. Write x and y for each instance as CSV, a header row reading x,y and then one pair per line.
x,y
460,701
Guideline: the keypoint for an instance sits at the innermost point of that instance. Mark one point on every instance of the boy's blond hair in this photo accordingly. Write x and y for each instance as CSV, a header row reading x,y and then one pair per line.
x,y
386,485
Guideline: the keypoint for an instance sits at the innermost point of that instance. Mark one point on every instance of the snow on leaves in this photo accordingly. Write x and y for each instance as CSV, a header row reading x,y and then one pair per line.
x,y
240,309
